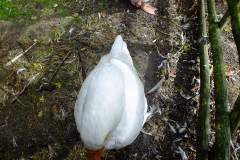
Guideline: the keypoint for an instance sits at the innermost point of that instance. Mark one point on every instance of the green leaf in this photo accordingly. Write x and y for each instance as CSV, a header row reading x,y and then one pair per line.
x,y
41,99
227,28
40,114
187,47
58,85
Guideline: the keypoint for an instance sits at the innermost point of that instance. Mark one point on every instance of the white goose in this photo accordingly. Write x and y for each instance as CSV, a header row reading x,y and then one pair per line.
x,y
111,107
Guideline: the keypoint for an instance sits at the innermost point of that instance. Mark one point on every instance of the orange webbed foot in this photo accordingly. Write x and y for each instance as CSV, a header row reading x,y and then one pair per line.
x,y
94,155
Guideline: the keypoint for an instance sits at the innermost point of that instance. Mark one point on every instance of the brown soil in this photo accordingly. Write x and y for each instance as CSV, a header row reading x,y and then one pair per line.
x,y
36,114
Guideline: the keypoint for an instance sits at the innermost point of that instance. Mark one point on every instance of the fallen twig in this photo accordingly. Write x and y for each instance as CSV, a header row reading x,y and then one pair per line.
x,y
12,94
59,66
24,88
182,153
20,55
47,85
157,86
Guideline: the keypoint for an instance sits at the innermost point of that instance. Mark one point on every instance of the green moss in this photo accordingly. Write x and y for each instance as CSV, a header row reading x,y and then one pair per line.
x,y
34,9
7,9
103,3
11,9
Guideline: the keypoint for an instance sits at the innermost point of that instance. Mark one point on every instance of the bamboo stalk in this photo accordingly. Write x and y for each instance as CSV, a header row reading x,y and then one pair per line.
x,y
224,20
234,11
203,122
222,122
235,116
226,17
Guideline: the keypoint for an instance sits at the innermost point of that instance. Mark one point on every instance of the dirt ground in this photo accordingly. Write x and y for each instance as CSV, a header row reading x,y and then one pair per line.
x,y
38,90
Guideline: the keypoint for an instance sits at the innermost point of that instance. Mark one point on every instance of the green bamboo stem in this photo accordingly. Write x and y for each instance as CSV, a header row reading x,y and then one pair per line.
x,y
235,116
226,17
222,122
224,20
234,11
203,122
